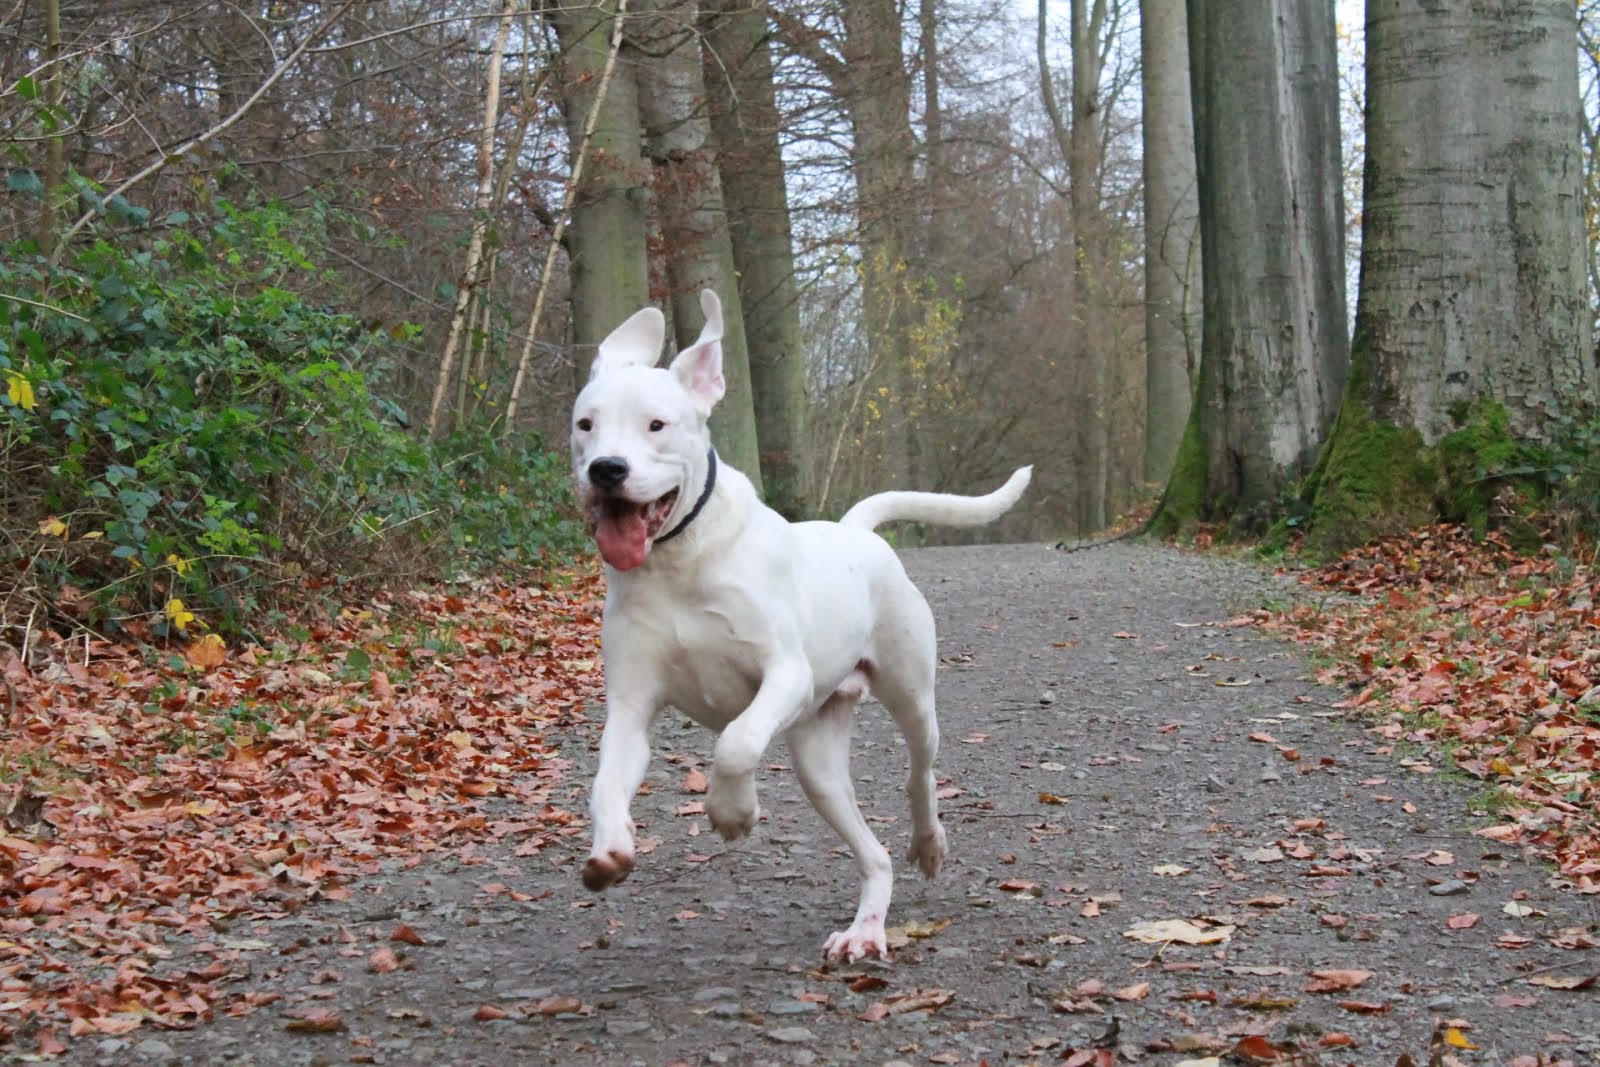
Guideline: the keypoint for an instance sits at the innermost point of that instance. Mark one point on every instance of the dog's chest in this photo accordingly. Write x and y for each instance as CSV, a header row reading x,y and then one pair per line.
x,y
711,673
707,656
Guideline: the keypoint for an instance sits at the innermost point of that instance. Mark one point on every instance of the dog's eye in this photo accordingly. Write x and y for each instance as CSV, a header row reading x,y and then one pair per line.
x,y
585,425
656,426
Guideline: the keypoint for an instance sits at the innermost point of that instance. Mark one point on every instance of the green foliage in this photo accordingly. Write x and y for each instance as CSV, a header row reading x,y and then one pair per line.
x,y
1376,480
176,421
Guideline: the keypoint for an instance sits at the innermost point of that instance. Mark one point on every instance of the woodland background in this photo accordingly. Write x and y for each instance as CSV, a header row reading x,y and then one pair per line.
x,y
306,289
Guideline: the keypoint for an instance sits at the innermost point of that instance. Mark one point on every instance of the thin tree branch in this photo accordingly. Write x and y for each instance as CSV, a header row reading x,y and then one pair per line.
x,y
222,127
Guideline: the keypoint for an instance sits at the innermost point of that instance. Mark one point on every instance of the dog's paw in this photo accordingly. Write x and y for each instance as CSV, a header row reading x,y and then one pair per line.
x,y
864,940
600,872
928,850
732,808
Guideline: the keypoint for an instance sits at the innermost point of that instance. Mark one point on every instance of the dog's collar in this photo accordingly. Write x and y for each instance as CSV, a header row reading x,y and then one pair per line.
x,y
705,494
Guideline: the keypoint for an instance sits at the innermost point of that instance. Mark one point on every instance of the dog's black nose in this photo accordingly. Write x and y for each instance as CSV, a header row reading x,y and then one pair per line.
x,y
608,472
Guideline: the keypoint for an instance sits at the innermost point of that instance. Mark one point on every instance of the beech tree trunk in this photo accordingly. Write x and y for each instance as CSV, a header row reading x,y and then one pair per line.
x,y
1273,352
745,125
1473,327
606,240
1171,234
697,250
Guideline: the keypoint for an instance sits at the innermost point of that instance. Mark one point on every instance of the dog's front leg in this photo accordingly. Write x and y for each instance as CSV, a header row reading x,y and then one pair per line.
x,y
624,755
731,802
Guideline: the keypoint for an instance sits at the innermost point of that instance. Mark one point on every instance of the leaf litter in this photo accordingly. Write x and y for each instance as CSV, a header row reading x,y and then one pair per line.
x,y
149,794
1466,645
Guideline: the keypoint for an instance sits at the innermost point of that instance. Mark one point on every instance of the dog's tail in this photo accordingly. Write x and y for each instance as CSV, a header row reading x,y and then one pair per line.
x,y
941,509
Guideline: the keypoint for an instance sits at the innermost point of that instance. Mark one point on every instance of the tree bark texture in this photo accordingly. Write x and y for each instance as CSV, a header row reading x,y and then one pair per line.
x,y
1274,353
745,124
1472,330
606,240
1171,235
882,156
1472,272
1092,344
694,224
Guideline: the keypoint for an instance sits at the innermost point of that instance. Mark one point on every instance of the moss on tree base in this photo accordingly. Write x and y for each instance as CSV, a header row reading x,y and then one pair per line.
x,y
1375,479
1181,504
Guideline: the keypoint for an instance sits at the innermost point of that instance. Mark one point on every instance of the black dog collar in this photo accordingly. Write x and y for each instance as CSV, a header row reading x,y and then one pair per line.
x,y
705,494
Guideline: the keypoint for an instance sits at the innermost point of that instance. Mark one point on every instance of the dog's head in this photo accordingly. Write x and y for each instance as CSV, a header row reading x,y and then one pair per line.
x,y
639,436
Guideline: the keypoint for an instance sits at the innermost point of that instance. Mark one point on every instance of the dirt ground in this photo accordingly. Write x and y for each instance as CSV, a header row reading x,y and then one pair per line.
x,y
1113,756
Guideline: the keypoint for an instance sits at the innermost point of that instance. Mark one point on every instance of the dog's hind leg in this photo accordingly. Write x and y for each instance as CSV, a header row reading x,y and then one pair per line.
x,y
820,747
903,679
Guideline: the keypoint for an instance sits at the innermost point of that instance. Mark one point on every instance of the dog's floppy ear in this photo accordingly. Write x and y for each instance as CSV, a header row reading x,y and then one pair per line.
x,y
637,341
699,367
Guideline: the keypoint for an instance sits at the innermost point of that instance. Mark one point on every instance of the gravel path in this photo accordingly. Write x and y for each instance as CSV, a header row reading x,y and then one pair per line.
x,y
1102,773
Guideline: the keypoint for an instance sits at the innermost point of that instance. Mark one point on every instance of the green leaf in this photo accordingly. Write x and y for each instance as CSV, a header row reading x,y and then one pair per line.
x,y
27,88
25,182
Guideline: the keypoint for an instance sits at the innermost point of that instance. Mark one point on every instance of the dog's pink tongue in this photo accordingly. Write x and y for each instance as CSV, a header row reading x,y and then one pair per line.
x,y
622,537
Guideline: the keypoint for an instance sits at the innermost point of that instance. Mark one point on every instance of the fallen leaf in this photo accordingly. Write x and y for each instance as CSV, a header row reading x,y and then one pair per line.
x,y
1363,1007
1464,921
1336,981
695,781
1177,930
315,1021
1138,991
406,935
1456,1039
487,1012
1170,870
1564,982
382,961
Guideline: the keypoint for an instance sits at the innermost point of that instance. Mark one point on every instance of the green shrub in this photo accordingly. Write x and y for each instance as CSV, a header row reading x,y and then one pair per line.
x,y
177,421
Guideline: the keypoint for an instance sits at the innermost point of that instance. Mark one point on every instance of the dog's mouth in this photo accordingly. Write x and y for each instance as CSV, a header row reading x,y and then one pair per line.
x,y
624,529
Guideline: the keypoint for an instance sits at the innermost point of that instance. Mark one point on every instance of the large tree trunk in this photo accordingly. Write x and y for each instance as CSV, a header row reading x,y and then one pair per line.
x,y
1274,351
744,122
694,224
1473,329
882,157
606,241
1171,234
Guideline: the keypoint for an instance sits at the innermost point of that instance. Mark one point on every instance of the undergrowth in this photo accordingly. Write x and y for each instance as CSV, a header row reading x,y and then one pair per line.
x,y
186,438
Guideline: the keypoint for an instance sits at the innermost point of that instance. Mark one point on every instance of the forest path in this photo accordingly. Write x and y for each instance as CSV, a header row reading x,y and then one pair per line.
x,y
1120,756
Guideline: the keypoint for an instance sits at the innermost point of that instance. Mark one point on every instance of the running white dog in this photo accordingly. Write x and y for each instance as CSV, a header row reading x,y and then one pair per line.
x,y
749,625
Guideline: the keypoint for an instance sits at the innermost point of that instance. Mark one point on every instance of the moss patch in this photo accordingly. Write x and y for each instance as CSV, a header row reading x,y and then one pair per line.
x,y
1376,479
1180,505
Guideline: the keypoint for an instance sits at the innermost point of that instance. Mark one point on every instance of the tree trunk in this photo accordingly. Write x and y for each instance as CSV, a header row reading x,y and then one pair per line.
x,y
472,273
882,158
744,121
606,241
1473,329
1092,342
694,223
1171,235
1273,350
55,167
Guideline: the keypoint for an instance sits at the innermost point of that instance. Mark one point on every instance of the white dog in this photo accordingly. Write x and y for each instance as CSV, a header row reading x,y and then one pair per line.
x,y
749,625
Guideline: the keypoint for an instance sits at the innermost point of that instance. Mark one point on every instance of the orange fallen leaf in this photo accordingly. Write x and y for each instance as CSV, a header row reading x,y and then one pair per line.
x,y
1138,991
382,960
315,1021
695,782
404,933
1464,921
1363,1007
486,1012
1336,981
